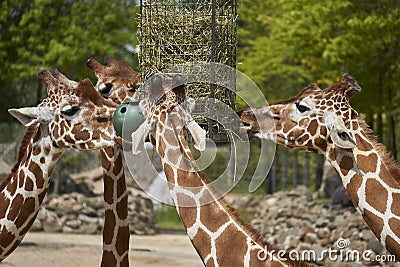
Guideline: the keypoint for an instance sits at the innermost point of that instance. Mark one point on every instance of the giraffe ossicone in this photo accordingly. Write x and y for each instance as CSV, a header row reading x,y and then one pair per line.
x,y
322,121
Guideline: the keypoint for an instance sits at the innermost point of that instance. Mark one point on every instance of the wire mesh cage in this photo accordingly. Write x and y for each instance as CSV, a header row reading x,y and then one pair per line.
x,y
174,32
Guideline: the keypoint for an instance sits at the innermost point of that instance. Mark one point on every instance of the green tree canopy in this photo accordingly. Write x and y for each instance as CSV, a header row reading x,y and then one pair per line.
x,y
288,42
59,34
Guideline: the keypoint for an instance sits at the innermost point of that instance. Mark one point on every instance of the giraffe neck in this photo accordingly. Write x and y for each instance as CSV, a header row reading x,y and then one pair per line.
x,y
116,225
371,180
21,197
218,236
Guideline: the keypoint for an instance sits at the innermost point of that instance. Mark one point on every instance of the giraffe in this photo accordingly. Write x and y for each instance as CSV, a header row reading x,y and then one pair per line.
x,y
322,121
216,233
70,117
117,82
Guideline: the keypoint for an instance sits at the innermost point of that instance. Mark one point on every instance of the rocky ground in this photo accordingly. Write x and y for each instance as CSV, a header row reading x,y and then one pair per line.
x,y
292,221
77,214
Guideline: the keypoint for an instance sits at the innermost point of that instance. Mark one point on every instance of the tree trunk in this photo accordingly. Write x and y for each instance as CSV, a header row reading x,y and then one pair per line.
x,y
306,178
393,136
379,127
295,173
284,168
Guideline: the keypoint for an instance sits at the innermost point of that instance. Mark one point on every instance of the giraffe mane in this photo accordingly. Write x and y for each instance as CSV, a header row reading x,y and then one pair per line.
x,y
25,140
386,156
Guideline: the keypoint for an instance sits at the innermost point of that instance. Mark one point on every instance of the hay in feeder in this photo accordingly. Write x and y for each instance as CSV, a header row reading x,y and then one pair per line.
x,y
174,32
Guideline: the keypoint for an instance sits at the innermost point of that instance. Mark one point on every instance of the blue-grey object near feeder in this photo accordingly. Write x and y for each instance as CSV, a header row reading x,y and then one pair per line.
x,y
127,118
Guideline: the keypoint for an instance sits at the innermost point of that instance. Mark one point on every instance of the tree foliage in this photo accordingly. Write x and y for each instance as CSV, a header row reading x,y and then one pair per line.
x,y
290,43
58,34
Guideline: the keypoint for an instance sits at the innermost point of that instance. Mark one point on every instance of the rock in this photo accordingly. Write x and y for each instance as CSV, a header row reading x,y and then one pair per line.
x,y
367,235
73,224
311,238
36,226
375,246
88,229
51,223
324,232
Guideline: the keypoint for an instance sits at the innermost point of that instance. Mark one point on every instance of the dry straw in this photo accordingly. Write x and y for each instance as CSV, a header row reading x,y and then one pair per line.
x,y
177,32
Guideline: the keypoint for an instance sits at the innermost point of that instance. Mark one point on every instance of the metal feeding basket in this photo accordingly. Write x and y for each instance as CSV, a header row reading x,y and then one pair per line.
x,y
175,32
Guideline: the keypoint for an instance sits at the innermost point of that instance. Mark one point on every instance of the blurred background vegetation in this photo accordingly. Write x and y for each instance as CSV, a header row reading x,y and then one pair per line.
x,y
283,46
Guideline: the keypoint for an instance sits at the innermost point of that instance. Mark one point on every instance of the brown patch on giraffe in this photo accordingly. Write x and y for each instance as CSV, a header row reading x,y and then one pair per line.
x,y
352,188
374,222
169,173
42,160
362,144
108,226
321,143
108,188
108,259
27,210
36,169
55,131
121,185
118,165
234,253
81,135
15,207
387,177
125,260
69,139
4,206
161,147
212,217
123,232
346,164
395,207
188,214
105,163
391,245
312,128
304,122
394,224
202,243
36,151
28,184
6,238
367,163
172,156
189,180
47,149
373,189
122,212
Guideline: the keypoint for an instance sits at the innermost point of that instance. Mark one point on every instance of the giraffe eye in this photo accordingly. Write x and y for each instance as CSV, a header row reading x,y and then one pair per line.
x,y
69,111
105,88
302,108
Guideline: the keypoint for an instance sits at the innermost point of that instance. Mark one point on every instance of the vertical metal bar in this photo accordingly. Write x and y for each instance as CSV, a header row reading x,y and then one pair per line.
x,y
212,82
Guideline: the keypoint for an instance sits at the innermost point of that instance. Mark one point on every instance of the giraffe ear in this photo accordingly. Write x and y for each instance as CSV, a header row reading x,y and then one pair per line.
x,y
338,132
32,115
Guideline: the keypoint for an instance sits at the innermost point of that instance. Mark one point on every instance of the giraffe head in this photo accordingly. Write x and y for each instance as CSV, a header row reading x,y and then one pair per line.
x,y
116,80
311,121
74,114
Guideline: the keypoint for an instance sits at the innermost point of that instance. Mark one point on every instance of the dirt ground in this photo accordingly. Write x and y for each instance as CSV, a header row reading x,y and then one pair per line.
x,y
66,250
